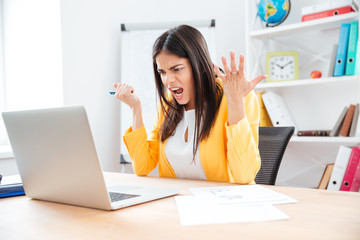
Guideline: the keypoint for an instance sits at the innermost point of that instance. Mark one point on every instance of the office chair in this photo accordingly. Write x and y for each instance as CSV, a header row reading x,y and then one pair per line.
x,y
272,144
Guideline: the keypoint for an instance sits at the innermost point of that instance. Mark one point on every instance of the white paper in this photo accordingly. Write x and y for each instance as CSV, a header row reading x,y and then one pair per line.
x,y
243,194
196,210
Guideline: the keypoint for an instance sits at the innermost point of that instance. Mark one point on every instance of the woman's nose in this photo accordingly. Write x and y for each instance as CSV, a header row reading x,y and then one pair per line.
x,y
168,78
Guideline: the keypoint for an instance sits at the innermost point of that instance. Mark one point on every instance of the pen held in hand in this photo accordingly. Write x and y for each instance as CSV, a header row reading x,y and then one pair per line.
x,y
113,93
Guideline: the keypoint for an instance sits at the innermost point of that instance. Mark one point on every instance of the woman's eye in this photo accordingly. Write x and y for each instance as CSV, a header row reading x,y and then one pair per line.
x,y
177,69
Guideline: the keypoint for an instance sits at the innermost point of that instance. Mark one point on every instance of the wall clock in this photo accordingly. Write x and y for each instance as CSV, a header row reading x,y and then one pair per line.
x,y
282,66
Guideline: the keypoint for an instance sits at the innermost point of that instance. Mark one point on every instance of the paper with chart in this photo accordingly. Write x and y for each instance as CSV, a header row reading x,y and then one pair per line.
x,y
245,203
243,194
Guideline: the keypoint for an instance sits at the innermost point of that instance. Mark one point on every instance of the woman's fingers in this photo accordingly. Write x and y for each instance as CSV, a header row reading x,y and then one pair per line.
x,y
226,67
241,63
233,62
256,80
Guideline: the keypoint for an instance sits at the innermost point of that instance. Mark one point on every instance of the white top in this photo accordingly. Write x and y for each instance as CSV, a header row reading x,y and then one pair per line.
x,y
179,152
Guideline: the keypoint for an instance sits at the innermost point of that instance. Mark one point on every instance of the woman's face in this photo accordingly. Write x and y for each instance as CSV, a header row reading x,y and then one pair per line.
x,y
176,74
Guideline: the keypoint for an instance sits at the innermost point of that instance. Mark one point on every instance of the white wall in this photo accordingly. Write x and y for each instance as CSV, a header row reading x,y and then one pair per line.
x,y
91,53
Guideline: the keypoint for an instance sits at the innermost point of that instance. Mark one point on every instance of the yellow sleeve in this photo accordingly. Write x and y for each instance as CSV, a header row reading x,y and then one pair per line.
x,y
242,143
143,151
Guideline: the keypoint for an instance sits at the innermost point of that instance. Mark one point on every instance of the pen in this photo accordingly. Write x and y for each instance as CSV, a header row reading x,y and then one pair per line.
x,y
113,93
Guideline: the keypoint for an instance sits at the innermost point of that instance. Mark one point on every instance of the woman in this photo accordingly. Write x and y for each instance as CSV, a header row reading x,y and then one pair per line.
x,y
206,127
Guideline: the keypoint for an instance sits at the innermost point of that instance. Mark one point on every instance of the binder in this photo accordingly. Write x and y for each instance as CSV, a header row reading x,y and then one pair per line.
x,y
352,46
336,129
328,13
10,190
277,110
354,123
340,166
339,69
328,5
351,169
355,185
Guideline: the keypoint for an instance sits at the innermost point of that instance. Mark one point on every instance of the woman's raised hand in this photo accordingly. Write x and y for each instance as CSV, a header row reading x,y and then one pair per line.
x,y
234,80
125,93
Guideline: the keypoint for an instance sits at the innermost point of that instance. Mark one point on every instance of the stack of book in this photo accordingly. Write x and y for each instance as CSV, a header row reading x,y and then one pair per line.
x,y
347,124
344,173
345,54
328,9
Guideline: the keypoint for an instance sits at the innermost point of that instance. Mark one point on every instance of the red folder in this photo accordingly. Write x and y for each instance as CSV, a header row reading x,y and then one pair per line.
x,y
351,169
328,13
355,185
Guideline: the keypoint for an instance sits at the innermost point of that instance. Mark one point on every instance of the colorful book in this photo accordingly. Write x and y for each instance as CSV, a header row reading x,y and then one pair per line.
x,y
327,13
265,120
338,124
352,47
345,129
351,169
326,176
314,133
339,68
340,165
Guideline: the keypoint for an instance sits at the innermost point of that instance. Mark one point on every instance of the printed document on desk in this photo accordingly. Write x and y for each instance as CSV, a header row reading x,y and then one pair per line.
x,y
198,210
243,195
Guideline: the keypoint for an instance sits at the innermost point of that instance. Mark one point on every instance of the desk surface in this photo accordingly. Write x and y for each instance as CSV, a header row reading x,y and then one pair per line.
x,y
319,214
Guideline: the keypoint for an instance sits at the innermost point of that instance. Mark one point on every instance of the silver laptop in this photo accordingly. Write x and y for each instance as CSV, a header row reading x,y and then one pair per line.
x,y
57,161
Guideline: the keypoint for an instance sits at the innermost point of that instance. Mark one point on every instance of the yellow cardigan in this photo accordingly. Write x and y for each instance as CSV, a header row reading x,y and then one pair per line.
x,y
229,154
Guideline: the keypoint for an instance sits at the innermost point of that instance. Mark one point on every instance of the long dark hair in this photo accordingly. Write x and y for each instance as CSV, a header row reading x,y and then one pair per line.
x,y
187,42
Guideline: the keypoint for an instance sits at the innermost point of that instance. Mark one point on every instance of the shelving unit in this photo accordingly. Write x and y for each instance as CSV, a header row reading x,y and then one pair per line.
x,y
314,104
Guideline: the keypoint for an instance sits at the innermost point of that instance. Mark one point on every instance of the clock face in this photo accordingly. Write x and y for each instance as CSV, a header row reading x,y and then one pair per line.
x,y
282,67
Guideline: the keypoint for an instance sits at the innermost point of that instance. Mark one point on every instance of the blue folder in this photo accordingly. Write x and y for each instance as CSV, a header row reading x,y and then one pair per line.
x,y
10,190
351,52
340,61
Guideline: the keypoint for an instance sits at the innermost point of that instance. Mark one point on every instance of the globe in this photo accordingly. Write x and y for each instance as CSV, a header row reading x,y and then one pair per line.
x,y
273,12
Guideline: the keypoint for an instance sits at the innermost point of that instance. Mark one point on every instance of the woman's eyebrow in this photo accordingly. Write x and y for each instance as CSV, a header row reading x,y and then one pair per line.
x,y
175,66
171,68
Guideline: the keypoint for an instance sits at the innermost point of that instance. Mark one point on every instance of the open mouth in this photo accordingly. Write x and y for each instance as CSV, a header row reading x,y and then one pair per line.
x,y
177,91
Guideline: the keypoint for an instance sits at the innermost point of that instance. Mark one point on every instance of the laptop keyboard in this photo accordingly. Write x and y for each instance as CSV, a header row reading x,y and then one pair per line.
x,y
115,196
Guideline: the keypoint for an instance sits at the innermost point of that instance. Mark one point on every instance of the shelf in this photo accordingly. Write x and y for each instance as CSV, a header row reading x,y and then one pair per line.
x,y
301,27
303,82
339,140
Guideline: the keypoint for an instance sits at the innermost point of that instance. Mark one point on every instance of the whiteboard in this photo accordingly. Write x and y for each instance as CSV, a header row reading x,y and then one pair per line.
x,y
137,70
